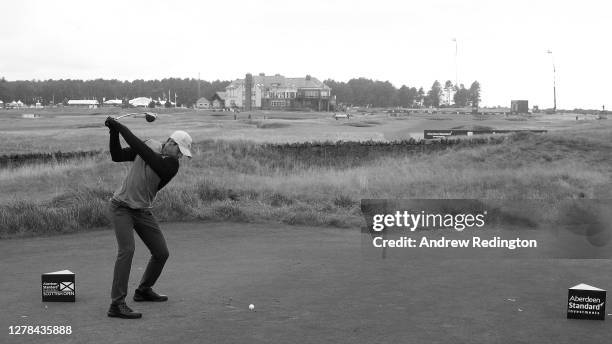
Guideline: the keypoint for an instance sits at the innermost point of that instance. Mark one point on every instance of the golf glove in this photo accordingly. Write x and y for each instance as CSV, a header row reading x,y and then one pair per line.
x,y
110,123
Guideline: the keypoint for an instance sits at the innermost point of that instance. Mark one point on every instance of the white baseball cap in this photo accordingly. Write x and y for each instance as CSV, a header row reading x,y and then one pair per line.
x,y
183,140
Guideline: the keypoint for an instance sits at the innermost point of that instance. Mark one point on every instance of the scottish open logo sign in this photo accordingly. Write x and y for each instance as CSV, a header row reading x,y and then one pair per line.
x,y
66,287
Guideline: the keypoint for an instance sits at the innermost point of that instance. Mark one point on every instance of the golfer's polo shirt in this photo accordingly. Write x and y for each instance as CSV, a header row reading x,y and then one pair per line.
x,y
149,173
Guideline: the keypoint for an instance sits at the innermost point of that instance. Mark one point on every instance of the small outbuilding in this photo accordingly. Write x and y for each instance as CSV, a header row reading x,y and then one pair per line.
x,y
218,100
15,105
89,103
203,103
519,106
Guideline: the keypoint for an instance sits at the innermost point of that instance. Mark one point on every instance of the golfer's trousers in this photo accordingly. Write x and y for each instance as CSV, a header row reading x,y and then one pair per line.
x,y
126,221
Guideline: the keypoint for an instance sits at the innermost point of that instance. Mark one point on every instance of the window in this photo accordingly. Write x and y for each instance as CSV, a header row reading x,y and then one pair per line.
x,y
310,94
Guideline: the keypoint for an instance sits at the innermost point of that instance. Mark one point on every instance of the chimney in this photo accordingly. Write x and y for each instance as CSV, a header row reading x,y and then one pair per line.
x,y
248,87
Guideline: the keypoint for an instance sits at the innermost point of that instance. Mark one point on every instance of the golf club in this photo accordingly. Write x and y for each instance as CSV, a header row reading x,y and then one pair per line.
x,y
149,116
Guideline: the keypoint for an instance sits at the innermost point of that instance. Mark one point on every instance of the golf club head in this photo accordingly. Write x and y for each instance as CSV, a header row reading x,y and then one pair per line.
x,y
150,117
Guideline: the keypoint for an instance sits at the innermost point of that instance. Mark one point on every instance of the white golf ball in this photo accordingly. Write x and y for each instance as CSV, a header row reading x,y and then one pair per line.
x,y
251,306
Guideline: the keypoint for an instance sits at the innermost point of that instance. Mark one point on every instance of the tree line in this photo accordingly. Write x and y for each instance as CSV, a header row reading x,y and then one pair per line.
x,y
364,92
359,92
58,91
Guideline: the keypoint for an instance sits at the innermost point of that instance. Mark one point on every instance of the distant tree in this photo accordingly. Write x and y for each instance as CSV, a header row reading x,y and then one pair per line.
x,y
362,91
406,96
421,96
461,96
152,104
412,96
448,88
365,92
434,94
474,94
168,104
403,96
385,95
4,90
341,90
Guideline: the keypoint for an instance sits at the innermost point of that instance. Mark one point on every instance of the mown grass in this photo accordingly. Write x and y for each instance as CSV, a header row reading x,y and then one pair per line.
x,y
312,184
267,124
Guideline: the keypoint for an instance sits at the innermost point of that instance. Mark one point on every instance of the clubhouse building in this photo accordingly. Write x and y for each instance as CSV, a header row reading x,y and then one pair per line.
x,y
267,92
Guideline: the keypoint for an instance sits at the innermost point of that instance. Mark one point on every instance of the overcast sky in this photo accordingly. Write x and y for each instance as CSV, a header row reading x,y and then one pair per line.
x,y
502,44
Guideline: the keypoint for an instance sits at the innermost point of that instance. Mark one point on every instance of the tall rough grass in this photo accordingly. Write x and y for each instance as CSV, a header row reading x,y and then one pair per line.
x,y
76,211
314,183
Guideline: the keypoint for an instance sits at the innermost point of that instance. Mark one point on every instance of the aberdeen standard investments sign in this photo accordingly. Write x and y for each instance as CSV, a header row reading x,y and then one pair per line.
x,y
586,302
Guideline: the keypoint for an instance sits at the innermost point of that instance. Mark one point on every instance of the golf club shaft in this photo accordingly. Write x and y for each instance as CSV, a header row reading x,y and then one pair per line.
x,y
127,114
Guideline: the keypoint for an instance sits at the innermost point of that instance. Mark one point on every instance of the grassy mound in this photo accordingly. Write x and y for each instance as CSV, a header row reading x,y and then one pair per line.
x,y
260,124
313,183
358,124
473,127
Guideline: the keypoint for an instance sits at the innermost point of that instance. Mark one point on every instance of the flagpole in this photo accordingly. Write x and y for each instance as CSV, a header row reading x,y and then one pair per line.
x,y
456,69
554,81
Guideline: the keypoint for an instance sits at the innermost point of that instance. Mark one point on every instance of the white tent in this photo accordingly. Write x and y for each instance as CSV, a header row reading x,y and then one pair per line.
x,y
163,102
83,102
140,101
114,102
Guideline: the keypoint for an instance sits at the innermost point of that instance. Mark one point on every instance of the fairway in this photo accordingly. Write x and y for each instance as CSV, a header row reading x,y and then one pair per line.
x,y
66,129
308,285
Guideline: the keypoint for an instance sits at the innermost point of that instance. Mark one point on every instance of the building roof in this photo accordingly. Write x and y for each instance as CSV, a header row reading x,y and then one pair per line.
x,y
203,100
140,101
281,81
82,102
311,82
114,102
15,104
220,95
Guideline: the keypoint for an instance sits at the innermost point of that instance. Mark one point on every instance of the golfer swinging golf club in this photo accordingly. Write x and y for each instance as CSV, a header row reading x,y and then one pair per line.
x,y
154,165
